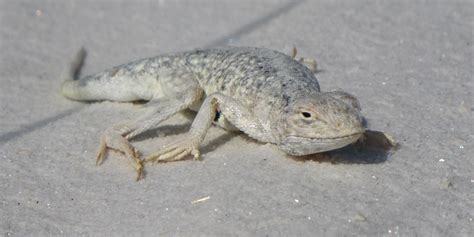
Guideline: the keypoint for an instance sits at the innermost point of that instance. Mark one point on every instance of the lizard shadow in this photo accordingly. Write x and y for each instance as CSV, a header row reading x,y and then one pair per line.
x,y
166,130
375,148
163,131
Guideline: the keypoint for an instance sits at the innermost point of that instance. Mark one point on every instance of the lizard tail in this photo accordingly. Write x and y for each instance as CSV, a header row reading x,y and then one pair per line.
x,y
70,77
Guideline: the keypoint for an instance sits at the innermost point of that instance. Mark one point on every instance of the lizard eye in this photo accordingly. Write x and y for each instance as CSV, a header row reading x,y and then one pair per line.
x,y
306,114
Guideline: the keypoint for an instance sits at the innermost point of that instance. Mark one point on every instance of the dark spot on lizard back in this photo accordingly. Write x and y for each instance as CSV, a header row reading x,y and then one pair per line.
x,y
166,63
286,100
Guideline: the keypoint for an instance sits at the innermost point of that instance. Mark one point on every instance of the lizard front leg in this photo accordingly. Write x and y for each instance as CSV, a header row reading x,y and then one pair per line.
x,y
234,111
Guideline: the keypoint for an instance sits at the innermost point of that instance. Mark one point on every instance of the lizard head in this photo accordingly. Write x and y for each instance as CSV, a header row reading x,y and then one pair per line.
x,y
320,123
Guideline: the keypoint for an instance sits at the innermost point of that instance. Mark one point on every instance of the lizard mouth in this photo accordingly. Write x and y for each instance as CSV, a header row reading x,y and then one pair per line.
x,y
298,146
357,134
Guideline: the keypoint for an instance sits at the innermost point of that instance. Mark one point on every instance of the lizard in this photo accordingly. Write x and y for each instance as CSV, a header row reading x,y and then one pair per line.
x,y
268,95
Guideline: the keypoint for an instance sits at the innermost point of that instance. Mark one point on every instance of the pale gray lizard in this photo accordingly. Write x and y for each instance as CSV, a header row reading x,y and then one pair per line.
x,y
268,95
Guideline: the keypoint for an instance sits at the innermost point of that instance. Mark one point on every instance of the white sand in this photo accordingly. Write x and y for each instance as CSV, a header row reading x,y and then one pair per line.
x,y
410,63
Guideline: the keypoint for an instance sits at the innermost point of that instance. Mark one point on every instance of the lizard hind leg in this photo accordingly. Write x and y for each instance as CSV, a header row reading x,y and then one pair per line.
x,y
312,64
156,111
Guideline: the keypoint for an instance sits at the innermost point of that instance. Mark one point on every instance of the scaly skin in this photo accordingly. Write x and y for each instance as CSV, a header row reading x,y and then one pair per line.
x,y
268,95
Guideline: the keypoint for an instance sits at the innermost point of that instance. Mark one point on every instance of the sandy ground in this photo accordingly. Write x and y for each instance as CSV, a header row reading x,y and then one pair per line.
x,y
410,63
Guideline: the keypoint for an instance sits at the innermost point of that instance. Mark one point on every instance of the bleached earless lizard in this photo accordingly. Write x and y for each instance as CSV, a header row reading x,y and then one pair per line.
x,y
268,95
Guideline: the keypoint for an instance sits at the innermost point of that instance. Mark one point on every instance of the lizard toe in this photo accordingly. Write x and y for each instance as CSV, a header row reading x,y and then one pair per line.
x,y
175,152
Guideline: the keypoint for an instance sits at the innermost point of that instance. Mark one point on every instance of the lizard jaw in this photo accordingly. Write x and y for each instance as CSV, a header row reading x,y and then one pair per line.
x,y
299,146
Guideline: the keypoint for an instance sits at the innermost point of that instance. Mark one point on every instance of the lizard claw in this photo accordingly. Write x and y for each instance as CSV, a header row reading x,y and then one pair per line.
x,y
119,143
101,152
175,152
140,172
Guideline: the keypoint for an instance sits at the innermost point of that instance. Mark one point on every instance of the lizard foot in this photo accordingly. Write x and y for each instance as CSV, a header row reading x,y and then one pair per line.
x,y
310,63
176,151
117,142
